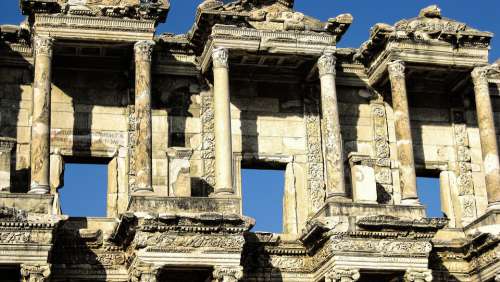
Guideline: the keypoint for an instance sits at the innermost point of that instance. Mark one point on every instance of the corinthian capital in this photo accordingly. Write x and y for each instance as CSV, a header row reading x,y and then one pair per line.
x,y
418,275
220,57
342,275
396,68
227,273
480,74
326,64
144,273
144,50
35,272
43,45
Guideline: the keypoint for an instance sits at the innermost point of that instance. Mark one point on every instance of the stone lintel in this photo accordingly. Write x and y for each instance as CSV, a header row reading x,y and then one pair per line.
x,y
191,205
41,204
363,210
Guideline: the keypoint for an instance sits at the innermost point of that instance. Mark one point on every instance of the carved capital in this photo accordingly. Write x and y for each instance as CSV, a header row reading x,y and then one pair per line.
x,y
220,57
396,68
144,50
227,273
35,272
326,64
418,275
43,45
144,273
480,75
342,275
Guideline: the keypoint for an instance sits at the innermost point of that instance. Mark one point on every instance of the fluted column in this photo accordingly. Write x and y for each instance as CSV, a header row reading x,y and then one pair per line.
x,y
418,275
35,272
332,139
485,120
408,179
223,146
143,146
342,275
40,128
227,273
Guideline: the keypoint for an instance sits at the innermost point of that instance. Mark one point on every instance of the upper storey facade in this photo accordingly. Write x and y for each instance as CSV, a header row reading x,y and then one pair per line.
x,y
253,84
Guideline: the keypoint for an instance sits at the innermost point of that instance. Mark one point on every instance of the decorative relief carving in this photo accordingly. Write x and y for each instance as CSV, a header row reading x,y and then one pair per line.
x,y
381,246
15,237
43,45
132,136
220,57
315,171
383,172
227,273
208,137
144,50
342,275
326,64
173,241
35,272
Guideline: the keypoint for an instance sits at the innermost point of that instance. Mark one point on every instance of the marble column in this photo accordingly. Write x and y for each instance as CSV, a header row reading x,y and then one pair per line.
x,y
35,273
227,273
6,146
332,139
342,275
222,120
408,179
40,129
143,143
418,275
485,120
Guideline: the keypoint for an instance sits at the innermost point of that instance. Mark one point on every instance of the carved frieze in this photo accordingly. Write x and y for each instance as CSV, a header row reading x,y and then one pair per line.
x,y
208,137
175,242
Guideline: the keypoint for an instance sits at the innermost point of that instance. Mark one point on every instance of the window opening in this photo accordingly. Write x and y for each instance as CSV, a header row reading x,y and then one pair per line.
x,y
262,194
429,195
84,193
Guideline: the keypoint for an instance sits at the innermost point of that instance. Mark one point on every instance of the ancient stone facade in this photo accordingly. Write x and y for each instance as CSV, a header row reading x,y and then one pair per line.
x,y
254,83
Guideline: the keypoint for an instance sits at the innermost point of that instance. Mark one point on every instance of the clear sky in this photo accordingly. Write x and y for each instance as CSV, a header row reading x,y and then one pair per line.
x,y
84,182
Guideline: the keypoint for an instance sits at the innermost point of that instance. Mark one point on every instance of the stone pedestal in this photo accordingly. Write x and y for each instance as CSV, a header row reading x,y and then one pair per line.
x,y
223,146
332,139
408,179
485,120
6,146
342,275
40,129
35,272
418,275
143,147
227,273
364,186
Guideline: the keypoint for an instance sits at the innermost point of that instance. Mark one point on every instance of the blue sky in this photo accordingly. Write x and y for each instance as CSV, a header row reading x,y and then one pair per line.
x,y
84,190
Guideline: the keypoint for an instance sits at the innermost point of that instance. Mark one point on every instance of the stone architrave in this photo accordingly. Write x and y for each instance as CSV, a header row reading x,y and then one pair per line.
x,y
6,146
418,275
40,129
489,148
35,272
342,275
227,273
222,122
143,149
332,139
408,179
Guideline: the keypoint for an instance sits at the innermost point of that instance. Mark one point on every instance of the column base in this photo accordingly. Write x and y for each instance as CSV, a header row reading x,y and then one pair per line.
x,y
39,189
142,190
410,202
493,206
223,192
338,198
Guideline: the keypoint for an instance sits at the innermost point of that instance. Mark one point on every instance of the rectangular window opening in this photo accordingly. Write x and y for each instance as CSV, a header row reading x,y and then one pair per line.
x,y
429,193
262,197
85,189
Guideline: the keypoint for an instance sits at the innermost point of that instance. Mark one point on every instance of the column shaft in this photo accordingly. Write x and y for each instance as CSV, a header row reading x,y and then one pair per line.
x,y
487,133
408,179
223,146
143,147
40,128
332,138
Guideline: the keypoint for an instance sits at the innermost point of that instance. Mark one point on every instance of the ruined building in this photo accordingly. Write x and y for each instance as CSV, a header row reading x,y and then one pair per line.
x,y
253,84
